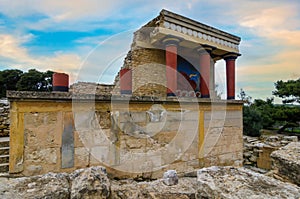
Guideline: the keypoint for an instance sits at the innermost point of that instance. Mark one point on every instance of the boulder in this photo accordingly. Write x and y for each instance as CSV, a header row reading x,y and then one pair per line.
x,y
48,186
170,178
286,162
231,183
83,183
130,189
90,183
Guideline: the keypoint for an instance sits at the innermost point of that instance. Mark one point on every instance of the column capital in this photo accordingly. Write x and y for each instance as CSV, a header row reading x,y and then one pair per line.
x,y
231,56
171,40
203,49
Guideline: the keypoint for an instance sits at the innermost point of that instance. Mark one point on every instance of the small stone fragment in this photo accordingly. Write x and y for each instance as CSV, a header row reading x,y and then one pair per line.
x,y
170,178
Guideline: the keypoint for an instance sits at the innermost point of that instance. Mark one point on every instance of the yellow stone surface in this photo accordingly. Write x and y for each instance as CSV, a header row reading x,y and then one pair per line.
x,y
37,127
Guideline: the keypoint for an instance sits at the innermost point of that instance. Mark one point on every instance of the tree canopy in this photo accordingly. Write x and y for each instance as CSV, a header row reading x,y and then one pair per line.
x,y
8,80
32,80
264,114
289,91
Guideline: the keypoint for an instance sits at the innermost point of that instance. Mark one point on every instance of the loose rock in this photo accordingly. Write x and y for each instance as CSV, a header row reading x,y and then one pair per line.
x,y
170,178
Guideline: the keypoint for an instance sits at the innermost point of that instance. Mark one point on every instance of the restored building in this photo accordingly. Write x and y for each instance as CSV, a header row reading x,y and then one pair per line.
x,y
162,113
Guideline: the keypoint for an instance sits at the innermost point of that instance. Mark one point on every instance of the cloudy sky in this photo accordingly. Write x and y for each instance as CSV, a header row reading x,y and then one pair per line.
x,y
89,38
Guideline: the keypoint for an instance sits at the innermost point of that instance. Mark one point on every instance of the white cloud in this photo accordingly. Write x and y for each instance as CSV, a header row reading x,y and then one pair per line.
x,y
10,48
58,10
12,51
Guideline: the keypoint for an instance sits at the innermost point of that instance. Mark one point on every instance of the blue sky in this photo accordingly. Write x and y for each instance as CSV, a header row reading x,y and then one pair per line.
x,y
69,36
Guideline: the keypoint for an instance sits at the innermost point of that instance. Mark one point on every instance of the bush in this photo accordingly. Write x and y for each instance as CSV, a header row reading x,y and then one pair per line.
x,y
252,121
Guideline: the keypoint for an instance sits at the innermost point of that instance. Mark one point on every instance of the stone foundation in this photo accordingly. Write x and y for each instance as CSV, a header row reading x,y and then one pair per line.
x,y
140,137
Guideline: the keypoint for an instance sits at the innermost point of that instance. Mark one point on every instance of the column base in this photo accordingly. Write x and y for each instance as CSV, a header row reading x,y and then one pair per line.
x,y
61,88
126,92
171,95
204,96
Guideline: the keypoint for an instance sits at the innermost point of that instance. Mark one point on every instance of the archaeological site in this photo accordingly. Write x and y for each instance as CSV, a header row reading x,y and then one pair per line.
x,y
160,131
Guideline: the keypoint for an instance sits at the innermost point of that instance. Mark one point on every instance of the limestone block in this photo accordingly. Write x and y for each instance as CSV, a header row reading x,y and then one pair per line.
x,y
286,160
34,170
42,155
99,154
135,143
174,116
171,125
91,138
43,129
164,137
81,157
39,119
77,140
226,159
190,115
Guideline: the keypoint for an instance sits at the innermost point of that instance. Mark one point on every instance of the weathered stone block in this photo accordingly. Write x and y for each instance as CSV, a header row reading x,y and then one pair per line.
x,y
287,162
81,157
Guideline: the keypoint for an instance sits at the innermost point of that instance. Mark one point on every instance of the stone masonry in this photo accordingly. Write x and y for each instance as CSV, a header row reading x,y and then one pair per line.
x,y
141,141
257,150
4,118
286,162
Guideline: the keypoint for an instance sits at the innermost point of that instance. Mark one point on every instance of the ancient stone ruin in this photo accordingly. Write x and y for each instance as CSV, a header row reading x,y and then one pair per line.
x,y
160,131
162,113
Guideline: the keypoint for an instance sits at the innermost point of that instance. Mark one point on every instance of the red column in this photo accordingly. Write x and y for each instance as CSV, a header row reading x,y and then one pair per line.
x,y
126,81
171,69
60,82
230,76
204,73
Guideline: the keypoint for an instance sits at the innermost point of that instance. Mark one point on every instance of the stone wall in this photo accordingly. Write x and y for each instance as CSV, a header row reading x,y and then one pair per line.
x,y
4,118
138,138
91,88
223,140
286,162
148,71
257,150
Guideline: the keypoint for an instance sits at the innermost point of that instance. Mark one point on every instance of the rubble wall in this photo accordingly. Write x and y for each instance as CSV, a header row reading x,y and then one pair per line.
x,y
257,150
148,71
4,118
286,162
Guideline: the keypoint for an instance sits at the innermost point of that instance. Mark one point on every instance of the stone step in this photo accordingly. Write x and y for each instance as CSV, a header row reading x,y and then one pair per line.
x,y
4,156
4,139
4,148
4,164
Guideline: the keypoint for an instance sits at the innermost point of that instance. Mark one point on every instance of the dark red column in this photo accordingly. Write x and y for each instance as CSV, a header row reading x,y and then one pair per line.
x,y
230,76
171,69
60,82
204,73
126,81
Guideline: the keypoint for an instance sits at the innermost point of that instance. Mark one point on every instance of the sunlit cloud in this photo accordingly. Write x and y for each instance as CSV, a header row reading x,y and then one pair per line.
x,y
11,49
